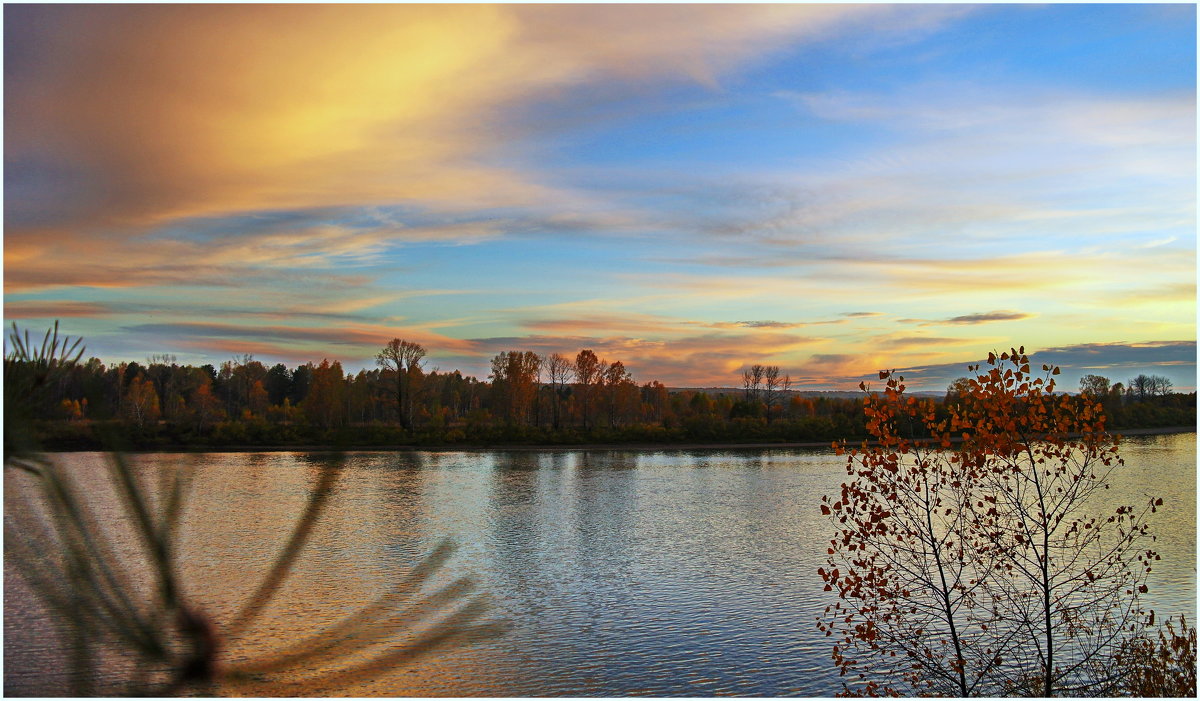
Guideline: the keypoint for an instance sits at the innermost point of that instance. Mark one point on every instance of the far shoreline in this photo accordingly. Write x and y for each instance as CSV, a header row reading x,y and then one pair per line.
x,y
553,447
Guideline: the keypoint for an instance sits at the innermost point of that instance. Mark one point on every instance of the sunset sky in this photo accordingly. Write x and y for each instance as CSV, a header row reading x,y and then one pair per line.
x,y
835,189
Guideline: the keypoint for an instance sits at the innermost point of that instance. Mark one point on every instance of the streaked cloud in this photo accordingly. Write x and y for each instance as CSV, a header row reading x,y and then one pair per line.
x,y
64,309
924,342
988,317
1117,361
764,324
349,342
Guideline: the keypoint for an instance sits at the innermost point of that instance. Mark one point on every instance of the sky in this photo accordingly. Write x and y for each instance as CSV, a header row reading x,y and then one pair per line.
x,y
689,189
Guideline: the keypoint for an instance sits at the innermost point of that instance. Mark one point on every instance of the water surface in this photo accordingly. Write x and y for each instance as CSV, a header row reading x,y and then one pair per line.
x,y
622,573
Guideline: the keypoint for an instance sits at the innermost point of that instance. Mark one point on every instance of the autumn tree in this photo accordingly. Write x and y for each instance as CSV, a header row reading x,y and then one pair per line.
x,y
404,358
588,374
655,399
205,406
325,404
620,391
986,567
258,399
1094,386
515,376
140,404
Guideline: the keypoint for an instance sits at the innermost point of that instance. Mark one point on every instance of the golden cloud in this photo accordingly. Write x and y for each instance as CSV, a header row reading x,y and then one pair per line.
x,y
163,112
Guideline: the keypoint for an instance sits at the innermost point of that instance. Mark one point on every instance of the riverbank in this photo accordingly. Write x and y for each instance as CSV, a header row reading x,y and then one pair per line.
x,y
557,447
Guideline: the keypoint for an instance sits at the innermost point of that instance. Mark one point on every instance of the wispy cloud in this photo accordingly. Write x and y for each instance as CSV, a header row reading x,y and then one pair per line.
x,y
357,342
37,309
765,324
987,317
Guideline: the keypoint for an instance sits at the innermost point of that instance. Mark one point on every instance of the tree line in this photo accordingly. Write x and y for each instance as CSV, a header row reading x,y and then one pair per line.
x,y
527,397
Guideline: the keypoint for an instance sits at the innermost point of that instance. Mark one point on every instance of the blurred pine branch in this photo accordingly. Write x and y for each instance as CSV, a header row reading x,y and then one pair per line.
x,y
68,557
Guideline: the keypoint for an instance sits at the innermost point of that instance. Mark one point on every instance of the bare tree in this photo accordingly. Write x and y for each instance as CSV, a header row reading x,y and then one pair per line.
x,y
752,379
560,371
776,384
1139,387
404,357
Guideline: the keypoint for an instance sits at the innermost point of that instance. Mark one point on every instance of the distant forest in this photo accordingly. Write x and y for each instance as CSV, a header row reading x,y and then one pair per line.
x,y
527,399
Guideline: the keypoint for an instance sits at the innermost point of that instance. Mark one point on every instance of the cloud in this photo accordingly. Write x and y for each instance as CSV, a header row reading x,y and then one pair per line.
x,y
765,324
130,128
1121,355
987,317
947,109
228,108
350,342
970,319
627,323
38,309
1118,361
961,174
925,343
1156,294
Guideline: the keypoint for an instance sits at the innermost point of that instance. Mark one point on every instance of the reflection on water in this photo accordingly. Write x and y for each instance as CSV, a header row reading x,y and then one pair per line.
x,y
622,573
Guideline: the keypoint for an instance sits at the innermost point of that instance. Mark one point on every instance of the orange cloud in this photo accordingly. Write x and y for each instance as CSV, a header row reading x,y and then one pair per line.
x,y
185,110
360,341
37,309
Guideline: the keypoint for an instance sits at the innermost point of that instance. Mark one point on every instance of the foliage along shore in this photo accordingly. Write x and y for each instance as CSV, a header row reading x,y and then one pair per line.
x,y
527,400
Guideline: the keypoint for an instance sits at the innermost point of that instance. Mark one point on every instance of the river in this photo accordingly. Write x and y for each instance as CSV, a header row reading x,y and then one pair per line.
x,y
668,573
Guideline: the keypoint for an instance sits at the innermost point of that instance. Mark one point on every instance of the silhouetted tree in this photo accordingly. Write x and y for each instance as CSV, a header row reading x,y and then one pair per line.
x,y
404,358
776,385
278,383
752,378
1094,386
559,372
